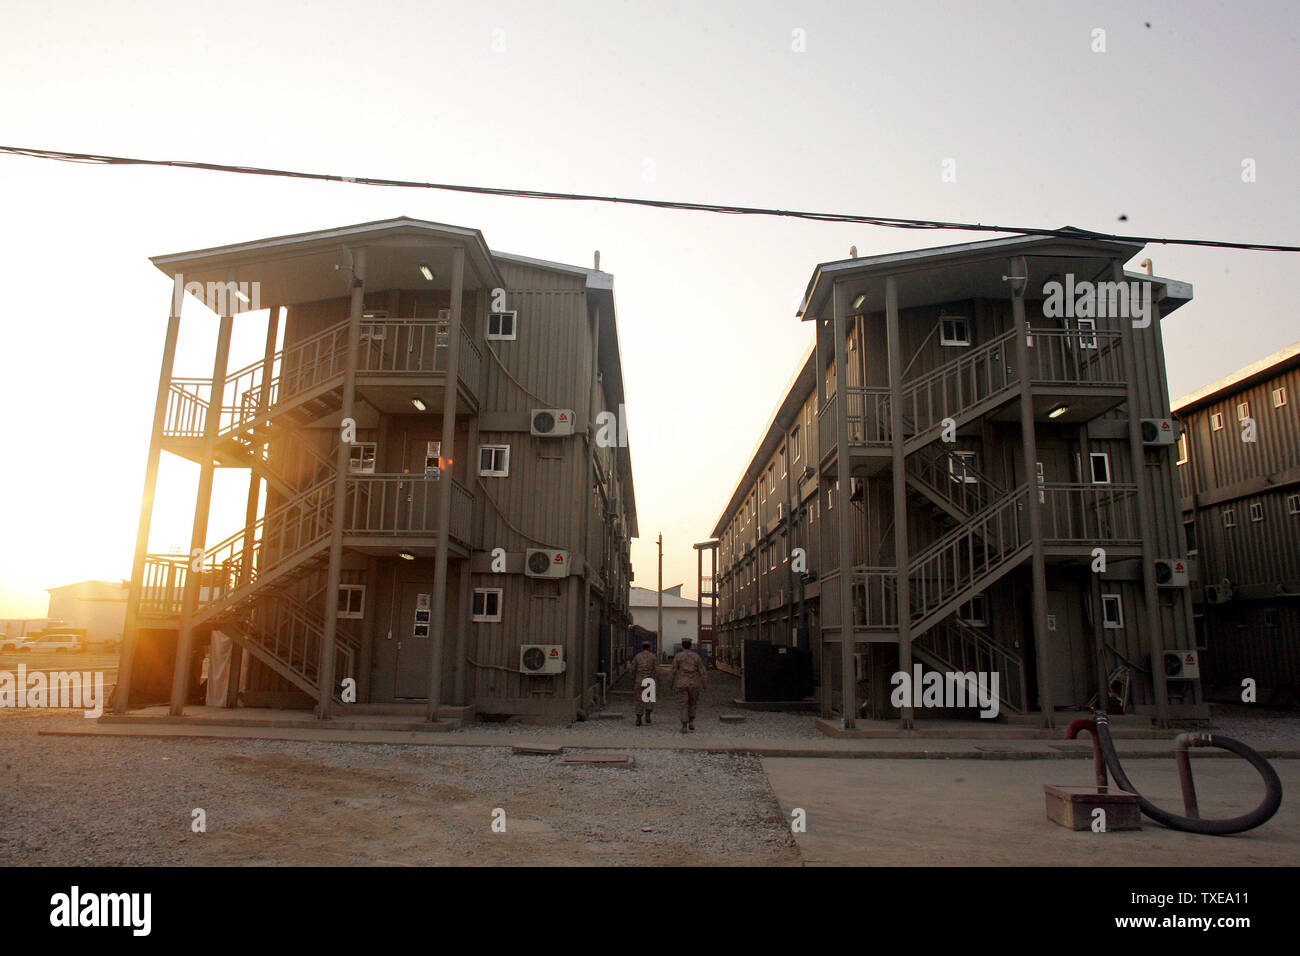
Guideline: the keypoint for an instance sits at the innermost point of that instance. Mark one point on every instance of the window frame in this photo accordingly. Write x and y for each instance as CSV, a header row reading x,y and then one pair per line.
x,y
1115,601
1092,467
1293,504
1216,421
1278,396
484,617
1184,449
500,336
1256,511
345,612
1087,334
1243,404
970,462
954,341
975,616
504,470
1229,517
356,456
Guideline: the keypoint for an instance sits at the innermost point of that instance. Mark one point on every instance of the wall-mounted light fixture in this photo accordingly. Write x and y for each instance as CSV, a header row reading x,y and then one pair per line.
x,y
426,272
419,405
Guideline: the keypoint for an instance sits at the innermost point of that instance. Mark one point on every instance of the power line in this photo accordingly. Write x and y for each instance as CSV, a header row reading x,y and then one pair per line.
x,y
882,221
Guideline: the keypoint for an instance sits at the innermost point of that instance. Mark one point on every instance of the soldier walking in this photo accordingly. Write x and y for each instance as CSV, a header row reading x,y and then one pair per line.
x,y
688,680
644,665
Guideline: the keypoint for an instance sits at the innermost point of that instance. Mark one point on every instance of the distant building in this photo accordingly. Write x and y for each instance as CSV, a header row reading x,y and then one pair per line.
x,y
1241,518
22,626
98,607
679,615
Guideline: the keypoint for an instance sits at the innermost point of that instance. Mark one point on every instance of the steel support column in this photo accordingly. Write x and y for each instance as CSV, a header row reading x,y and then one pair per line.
x,y
342,465
441,555
126,659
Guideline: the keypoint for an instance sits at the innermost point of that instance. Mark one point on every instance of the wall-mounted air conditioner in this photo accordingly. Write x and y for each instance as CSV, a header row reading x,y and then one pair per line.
x,y
1159,431
541,563
541,658
552,422
1182,665
1220,593
1171,573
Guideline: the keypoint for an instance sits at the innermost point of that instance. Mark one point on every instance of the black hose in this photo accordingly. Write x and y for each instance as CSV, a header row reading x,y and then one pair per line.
x,y
1247,821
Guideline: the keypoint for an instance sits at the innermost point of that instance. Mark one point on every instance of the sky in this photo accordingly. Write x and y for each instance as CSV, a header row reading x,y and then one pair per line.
x,y
834,106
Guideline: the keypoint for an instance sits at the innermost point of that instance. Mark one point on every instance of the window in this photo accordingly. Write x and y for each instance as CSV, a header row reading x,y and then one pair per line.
x,y
486,607
1189,536
780,456
1293,504
1243,410
1229,518
362,458
1183,456
1270,617
1279,396
352,601
795,449
494,460
961,464
1112,611
502,325
1256,511
1216,421
1100,462
953,331
975,611
1087,333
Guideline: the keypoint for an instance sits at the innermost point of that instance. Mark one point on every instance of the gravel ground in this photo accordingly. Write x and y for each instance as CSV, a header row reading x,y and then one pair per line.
x,y
723,690
128,802
1256,726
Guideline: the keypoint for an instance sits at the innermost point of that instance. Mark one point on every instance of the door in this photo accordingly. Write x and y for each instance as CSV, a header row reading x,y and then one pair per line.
x,y
414,624
1068,645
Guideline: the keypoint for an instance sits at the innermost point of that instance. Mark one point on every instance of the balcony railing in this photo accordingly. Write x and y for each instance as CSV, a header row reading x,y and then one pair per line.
x,y
868,412
1077,357
1090,514
403,505
388,346
416,346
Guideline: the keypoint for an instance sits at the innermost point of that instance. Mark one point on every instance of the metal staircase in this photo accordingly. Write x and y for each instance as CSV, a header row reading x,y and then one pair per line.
x,y
285,634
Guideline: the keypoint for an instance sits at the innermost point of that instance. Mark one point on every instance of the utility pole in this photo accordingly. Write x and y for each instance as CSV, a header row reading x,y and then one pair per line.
x,y
659,593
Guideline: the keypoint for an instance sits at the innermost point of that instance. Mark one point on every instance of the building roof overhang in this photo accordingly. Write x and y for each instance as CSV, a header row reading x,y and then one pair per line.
x,y
1243,378
976,270
310,266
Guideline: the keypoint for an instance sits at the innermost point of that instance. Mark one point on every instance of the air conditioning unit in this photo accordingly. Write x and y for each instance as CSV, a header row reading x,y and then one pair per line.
x,y
1182,665
1171,573
541,658
540,563
1159,431
1220,593
552,422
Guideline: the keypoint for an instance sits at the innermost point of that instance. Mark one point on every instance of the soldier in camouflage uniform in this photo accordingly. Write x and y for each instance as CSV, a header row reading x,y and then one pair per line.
x,y
688,680
644,665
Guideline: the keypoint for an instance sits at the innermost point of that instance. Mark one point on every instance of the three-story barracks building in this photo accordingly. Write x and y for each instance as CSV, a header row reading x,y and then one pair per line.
x,y
431,520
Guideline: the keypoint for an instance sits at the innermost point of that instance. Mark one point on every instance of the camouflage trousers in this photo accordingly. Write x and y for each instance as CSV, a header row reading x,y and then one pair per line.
x,y
687,699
